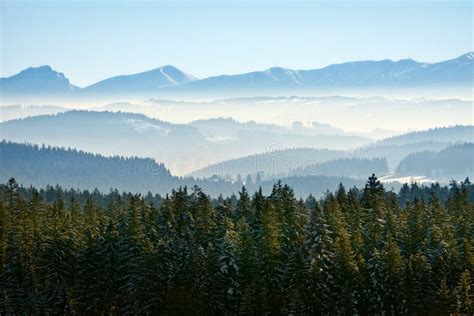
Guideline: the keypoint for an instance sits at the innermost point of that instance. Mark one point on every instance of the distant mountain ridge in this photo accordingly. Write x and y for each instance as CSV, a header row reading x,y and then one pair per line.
x,y
142,82
462,133
41,80
169,80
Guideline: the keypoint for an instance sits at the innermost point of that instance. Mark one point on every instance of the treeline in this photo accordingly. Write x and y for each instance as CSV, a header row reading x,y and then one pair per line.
x,y
358,251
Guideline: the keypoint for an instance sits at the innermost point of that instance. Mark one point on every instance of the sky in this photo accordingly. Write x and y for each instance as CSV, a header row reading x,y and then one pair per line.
x,y
92,40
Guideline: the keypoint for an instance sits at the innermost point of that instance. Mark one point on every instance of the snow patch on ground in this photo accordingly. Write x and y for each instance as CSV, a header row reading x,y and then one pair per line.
x,y
142,126
168,77
406,179
218,139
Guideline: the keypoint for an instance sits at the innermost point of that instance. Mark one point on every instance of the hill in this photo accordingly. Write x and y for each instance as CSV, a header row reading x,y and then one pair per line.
x,y
229,128
302,160
41,166
398,147
395,153
459,133
356,168
11,112
110,134
270,164
450,163
183,148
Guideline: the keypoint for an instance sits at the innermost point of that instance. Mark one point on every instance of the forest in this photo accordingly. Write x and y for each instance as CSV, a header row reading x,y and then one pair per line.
x,y
366,251
447,163
41,166
349,167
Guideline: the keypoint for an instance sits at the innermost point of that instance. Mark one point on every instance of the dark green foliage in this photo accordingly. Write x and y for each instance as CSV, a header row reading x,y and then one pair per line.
x,y
365,252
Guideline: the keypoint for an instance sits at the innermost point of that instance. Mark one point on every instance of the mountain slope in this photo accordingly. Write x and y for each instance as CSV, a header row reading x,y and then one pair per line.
x,y
270,164
303,161
183,148
453,162
228,128
107,133
11,112
42,166
398,147
460,133
38,80
357,168
451,72
148,81
70,168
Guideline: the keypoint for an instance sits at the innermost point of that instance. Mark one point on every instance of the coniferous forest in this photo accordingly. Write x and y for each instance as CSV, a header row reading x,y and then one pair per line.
x,y
255,158
364,251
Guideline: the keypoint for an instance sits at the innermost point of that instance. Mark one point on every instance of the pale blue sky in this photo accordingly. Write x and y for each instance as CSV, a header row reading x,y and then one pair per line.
x,y
93,40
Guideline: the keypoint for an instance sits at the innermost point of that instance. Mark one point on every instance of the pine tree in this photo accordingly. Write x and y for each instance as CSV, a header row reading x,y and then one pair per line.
x,y
388,273
462,210
445,300
319,263
251,301
441,242
55,260
223,267
465,294
419,285
345,268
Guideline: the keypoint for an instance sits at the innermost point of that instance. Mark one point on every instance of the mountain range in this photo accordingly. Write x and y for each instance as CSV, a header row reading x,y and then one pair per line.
x,y
169,80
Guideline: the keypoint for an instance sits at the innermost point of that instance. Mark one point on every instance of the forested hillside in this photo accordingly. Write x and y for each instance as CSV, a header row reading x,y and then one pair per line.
x,y
358,251
448,163
459,133
182,147
69,168
395,153
345,167
284,162
271,163
42,166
